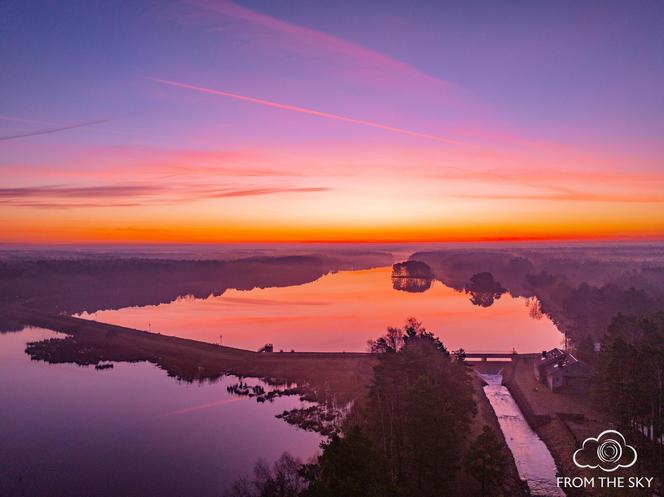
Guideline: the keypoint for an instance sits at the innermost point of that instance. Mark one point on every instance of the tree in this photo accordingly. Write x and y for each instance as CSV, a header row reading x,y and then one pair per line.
x,y
487,462
351,467
585,350
418,410
629,378
283,479
392,341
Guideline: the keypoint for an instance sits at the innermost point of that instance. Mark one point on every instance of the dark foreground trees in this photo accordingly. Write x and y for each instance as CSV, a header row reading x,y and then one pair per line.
x,y
350,466
408,434
282,479
418,410
487,461
629,380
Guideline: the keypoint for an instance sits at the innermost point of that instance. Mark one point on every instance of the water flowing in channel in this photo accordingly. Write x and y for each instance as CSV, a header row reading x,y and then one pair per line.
x,y
533,460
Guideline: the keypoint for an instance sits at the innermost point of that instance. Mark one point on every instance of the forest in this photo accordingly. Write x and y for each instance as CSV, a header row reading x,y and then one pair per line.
x,y
407,438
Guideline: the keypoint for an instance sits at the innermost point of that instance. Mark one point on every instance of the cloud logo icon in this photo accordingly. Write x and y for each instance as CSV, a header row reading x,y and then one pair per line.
x,y
609,451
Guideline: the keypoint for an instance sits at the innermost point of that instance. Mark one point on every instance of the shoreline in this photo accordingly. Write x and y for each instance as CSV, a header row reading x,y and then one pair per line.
x,y
324,376
331,378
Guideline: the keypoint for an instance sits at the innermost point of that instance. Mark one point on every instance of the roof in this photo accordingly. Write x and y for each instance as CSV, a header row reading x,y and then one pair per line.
x,y
565,364
552,357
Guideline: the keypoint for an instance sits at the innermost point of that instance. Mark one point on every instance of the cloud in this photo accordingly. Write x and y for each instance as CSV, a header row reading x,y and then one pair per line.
x,y
267,191
68,197
570,196
382,66
52,129
69,205
59,191
304,110
609,452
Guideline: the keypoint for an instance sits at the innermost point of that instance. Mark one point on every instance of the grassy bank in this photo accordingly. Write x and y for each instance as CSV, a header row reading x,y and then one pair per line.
x,y
342,376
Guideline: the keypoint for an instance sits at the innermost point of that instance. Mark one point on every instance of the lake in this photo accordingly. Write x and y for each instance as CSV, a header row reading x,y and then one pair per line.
x,y
340,312
130,430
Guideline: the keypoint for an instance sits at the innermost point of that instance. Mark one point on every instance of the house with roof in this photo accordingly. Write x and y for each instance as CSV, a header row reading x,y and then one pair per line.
x,y
560,371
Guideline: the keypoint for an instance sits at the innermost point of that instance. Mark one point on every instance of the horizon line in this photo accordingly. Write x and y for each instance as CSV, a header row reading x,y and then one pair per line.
x,y
505,241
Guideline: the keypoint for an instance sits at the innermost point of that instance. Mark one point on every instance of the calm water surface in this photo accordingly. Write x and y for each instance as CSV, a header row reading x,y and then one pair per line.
x,y
132,431
340,312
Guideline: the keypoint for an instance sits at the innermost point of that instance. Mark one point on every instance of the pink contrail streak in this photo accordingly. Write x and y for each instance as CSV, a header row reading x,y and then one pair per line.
x,y
304,110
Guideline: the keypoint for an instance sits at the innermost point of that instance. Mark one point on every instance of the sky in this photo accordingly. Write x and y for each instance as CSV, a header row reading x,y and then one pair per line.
x,y
282,121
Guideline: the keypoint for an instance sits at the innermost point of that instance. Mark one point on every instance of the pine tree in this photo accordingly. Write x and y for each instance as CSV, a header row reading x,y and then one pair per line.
x,y
349,466
487,462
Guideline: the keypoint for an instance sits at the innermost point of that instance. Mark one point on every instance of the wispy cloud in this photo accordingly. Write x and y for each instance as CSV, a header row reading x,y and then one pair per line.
x,y
57,191
577,196
68,197
49,130
382,67
267,191
304,110
68,205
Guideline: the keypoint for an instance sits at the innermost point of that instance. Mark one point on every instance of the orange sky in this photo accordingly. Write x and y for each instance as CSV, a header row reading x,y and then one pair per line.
x,y
282,127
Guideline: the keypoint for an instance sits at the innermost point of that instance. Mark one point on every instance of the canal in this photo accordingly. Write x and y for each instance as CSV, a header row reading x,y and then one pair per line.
x,y
533,459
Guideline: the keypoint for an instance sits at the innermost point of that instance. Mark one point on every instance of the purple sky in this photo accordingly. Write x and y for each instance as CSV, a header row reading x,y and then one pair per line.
x,y
326,90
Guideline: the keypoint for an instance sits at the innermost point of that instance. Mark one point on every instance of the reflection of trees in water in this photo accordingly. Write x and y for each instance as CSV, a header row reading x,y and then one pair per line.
x,y
483,289
534,308
411,276
579,288
322,417
9,324
243,389
412,285
77,285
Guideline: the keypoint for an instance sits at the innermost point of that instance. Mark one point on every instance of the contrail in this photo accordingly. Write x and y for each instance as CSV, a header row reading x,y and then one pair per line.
x,y
45,131
304,110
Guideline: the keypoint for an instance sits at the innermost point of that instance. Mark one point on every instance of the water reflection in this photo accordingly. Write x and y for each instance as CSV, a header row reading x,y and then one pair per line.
x,y
130,430
412,285
340,312
483,289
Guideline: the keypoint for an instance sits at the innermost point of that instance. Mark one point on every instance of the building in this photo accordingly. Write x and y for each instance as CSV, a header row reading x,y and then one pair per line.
x,y
560,371
268,347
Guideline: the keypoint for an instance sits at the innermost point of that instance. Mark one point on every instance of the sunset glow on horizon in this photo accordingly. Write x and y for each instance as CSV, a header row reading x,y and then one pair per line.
x,y
203,121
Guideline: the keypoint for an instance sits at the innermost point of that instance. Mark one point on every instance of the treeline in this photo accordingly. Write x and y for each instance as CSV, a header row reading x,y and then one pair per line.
x,y
88,284
407,438
581,289
629,380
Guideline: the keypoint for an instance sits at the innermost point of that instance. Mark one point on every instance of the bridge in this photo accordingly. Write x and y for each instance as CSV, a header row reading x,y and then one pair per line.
x,y
485,356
